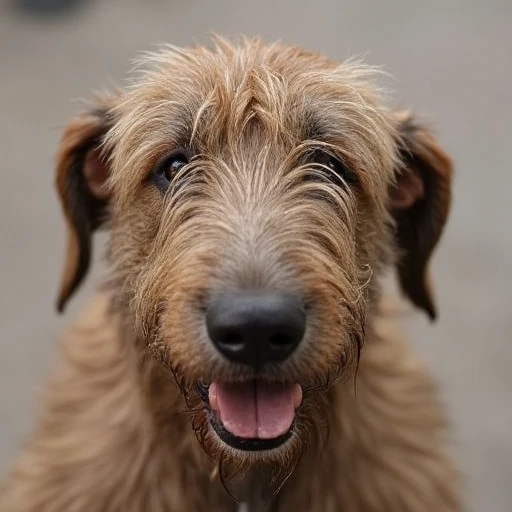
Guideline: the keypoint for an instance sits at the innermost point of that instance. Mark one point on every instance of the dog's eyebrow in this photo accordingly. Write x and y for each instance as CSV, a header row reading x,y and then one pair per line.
x,y
314,128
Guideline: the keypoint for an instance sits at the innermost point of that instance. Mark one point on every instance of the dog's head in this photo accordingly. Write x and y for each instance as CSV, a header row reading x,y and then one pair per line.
x,y
254,195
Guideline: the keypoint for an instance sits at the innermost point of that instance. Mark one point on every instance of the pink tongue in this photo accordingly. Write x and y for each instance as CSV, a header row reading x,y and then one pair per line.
x,y
255,409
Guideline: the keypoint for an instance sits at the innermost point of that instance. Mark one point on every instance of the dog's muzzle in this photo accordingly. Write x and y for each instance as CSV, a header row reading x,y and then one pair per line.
x,y
253,329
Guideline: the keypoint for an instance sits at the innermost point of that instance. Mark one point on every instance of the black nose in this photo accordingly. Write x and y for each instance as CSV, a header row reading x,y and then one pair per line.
x,y
256,328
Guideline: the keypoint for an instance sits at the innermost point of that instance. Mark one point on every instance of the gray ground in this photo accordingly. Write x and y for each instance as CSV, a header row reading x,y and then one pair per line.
x,y
450,60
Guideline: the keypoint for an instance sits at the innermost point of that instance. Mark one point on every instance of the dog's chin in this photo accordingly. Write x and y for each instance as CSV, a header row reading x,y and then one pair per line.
x,y
253,416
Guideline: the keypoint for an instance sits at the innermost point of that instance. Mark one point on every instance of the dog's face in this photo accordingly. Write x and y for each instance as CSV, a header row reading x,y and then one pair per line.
x,y
254,195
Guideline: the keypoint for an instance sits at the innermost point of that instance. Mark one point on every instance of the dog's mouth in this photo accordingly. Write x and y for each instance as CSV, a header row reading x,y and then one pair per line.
x,y
254,415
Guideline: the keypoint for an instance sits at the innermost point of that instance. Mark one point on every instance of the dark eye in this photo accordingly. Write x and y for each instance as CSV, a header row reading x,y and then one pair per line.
x,y
167,169
172,165
338,170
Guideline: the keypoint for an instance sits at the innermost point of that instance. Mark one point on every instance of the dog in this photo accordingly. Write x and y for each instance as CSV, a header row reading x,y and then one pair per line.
x,y
240,354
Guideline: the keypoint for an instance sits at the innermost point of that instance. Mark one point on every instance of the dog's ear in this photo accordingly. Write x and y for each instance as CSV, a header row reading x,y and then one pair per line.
x,y
81,180
420,201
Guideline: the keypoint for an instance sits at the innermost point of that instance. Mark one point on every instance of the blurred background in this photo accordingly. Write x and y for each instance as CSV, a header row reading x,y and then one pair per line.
x,y
450,61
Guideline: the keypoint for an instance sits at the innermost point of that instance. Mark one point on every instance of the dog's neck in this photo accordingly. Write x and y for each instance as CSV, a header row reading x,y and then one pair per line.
x,y
246,506
256,493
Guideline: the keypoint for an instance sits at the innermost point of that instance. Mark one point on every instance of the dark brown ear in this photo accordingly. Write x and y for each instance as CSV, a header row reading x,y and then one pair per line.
x,y
420,200
81,177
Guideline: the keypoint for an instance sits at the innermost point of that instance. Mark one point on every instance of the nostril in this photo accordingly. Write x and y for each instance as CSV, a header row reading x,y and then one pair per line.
x,y
232,340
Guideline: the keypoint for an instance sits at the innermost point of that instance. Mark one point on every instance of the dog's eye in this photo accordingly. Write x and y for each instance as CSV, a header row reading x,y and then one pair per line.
x,y
167,169
172,165
337,169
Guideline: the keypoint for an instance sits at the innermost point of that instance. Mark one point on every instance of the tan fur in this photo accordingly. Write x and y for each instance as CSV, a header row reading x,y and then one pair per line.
x,y
122,427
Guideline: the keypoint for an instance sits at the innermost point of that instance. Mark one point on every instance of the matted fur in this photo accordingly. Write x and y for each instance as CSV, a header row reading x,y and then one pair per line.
x,y
123,427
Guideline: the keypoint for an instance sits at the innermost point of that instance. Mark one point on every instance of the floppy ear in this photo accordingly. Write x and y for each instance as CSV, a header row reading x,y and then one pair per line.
x,y
420,201
82,171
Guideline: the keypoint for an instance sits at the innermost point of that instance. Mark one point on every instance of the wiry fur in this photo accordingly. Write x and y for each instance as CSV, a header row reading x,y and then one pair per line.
x,y
123,427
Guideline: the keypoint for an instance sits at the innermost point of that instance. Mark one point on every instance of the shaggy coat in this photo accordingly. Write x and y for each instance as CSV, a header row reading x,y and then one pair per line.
x,y
296,177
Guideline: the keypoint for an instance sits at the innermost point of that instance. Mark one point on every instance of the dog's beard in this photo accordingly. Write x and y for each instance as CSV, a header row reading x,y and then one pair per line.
x,y
243,470
264,472
246,474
